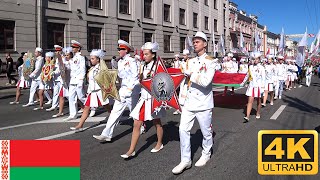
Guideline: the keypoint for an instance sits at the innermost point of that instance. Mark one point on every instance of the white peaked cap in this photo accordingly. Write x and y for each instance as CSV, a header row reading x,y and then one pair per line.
x,y
177,55
57,47
270,56
122,42
280,57
154,47
39,49
234,59
75,43
230,54
201,35
186,52
49,54
243,59
67,50
264,60
98,53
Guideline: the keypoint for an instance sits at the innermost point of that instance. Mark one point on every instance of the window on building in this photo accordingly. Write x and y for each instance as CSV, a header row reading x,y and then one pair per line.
x,y
55,35
166,12
147,37
124,6
182,43
215,4
59,1
215,25
147,8
94,38
125,35
166,40
195,20
7,35
206,23
96,4
182,20
206,2
224,17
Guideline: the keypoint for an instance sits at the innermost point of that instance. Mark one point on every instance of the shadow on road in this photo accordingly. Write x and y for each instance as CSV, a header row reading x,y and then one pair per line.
x,y
301,105
236,101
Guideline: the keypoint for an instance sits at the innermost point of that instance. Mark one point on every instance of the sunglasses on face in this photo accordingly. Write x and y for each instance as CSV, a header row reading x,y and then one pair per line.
x,y
119,49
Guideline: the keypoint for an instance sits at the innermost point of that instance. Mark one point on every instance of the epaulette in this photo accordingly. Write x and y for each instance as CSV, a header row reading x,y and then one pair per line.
x,y
209,57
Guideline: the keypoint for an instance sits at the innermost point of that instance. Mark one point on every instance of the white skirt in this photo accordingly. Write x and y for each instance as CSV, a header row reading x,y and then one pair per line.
x,y
268,87
46,86
295,76
64,92
291,77
254,92
23,83
95,99
142,111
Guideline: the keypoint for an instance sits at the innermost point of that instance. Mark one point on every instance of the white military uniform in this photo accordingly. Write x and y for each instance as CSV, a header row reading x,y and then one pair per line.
x,y
64,89
142,111
291,69
129,92
94,98
57,84
198,104
243,69
257,81
229,67
308,75
35,76
281,71
22,83
270,74
77,74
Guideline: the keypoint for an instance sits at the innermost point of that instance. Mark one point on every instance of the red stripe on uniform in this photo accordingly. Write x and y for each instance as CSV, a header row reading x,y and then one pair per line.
x,y
48,153
259,95
18,83
141,113
88,101
252,92
61,92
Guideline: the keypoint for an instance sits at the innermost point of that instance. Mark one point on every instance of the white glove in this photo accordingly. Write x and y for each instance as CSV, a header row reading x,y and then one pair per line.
x,y
187,72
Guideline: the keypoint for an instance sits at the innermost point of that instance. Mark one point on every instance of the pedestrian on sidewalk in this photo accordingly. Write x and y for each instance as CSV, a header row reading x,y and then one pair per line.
x,y
9,70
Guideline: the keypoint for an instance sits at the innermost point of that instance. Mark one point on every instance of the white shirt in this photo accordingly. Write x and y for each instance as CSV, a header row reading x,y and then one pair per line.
x,y
128,71
281,71
257,76
93,85
35,75
229,67
309,71
270,72
244,68
147,73
199,94
77,68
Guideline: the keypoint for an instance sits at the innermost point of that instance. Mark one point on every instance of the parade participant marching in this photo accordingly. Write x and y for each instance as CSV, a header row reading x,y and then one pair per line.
x,y
142,111
183,66
63,91
129,91
291,71
46,82
229,67
309,74
94,98
243,68
35,76
57,81
22,83
270,69
295,73
281,72
198,104
77,75
256,85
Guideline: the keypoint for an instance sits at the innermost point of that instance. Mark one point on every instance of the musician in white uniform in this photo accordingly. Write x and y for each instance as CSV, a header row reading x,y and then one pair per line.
x,y
229,66
22,83
309,69
64,88
35,76
94,98
143,110
129,91
270,69
256,85
198,104
281,71
45,84
57,81
77,74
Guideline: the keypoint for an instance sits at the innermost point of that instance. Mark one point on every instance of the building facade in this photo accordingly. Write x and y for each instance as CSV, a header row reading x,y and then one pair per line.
x,y
100,23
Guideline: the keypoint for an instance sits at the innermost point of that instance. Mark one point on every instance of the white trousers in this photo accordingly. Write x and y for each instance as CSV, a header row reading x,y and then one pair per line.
x,y
117,111
56,91
33,90
308,80
47,95
187,119
75,92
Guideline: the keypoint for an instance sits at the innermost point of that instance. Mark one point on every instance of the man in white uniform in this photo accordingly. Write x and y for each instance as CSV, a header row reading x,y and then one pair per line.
x,y
77,75
198,104
281,71
35,76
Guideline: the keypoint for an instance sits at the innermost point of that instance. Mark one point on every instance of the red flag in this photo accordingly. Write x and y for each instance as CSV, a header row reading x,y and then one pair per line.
x,y
268,52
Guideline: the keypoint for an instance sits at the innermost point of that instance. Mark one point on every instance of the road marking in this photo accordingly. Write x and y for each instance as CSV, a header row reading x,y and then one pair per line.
x,y
54,120
65,133
278,112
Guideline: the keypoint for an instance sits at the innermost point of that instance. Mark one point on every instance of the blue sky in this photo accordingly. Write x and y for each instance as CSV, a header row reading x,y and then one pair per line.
x,y
293,15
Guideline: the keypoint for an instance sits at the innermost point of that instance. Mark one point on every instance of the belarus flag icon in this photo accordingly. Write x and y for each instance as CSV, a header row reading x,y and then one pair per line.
x,y
40,159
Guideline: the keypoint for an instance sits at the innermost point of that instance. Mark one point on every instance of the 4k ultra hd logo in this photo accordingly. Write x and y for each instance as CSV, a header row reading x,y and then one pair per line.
x,y
287,152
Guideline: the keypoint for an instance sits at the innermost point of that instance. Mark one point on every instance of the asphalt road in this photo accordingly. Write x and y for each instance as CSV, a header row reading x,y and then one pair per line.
x,y
234,153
